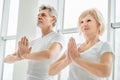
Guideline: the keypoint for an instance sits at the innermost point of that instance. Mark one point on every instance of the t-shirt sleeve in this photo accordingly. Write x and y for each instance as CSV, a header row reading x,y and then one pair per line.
x,y
31,43
59,39
106,48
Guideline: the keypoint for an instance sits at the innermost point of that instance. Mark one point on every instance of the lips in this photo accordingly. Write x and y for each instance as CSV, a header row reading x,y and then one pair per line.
x,y
40,20
86,28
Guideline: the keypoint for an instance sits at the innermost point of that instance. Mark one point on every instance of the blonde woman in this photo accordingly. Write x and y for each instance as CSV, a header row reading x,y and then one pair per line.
x,y
92,59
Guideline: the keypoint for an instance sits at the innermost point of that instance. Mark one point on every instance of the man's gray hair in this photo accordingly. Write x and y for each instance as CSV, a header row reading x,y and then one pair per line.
x,y
52,11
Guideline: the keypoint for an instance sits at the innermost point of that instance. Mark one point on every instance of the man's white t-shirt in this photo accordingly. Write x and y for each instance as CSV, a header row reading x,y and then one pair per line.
x,y
38,70
93,54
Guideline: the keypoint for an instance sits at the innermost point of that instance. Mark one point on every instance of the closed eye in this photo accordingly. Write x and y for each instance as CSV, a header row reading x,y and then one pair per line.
x,y
81,22
43,14
89,20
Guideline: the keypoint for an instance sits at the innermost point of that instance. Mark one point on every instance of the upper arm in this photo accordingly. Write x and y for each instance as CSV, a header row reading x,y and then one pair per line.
x,y
106,54
106,58
54,48
58,44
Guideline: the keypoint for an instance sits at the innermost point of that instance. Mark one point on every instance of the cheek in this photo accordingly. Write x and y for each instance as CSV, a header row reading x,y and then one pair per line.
x,y
96,29
80,28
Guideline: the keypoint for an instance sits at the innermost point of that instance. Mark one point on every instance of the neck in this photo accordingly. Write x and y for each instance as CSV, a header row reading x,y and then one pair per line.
x,y
92,39
46,31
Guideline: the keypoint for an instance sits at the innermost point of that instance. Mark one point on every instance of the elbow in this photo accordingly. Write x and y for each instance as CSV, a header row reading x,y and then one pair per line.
x,y
105,72
48,55
52,72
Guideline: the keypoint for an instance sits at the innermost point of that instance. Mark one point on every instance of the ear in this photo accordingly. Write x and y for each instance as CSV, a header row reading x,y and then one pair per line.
x,y
53,19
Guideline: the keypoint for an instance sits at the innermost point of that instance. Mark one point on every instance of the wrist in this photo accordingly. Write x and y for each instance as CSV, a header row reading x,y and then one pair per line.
x,y
68,60
20,55
76,59
25,55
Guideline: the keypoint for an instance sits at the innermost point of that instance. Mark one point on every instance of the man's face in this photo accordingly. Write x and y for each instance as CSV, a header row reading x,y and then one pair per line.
x,y
44,19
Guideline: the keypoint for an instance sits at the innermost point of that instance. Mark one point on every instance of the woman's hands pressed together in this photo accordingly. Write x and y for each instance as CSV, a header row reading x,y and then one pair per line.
x,y
72,50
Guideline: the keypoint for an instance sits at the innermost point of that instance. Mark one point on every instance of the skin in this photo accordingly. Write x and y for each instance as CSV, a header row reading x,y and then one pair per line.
x,y
89,28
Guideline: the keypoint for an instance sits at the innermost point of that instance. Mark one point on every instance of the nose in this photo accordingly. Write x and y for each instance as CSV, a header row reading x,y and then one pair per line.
x,y
39,17
84,24
38,14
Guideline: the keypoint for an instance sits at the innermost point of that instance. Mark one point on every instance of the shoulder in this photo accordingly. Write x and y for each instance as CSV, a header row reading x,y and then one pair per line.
x,y
105,44
59,36
106,47
102,44
34,41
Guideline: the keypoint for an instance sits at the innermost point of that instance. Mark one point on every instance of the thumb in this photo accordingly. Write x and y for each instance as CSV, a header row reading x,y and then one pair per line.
x,y
30,49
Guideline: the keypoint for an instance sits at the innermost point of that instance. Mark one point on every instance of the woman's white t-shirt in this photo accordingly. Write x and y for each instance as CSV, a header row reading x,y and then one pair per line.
x,y
93,55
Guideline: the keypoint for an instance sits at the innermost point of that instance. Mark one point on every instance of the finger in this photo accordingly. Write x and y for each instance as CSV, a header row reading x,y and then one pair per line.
x,y
73,43
30,49
68,56
19,44
79,49
25,41
18,53
22,40
73,48
69,48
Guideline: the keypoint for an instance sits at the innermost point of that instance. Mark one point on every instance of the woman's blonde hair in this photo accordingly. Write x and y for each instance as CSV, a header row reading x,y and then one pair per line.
x,y
96,14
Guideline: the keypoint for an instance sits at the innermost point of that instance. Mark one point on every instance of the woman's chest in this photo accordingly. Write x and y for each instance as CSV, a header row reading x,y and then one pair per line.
x,y
90,53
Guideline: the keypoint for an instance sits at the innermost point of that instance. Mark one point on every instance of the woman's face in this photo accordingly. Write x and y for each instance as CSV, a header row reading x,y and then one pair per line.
x,y
88,25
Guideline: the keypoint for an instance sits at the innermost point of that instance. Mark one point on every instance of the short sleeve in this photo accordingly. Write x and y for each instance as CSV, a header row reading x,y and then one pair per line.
x,y
59,39
106,48
31,43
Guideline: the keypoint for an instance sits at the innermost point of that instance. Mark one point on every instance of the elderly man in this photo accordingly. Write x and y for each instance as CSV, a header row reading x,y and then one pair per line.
x,y
42,51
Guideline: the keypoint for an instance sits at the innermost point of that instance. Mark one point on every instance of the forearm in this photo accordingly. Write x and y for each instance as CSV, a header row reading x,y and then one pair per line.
x,y
40,55
58,66
12,58
97,69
